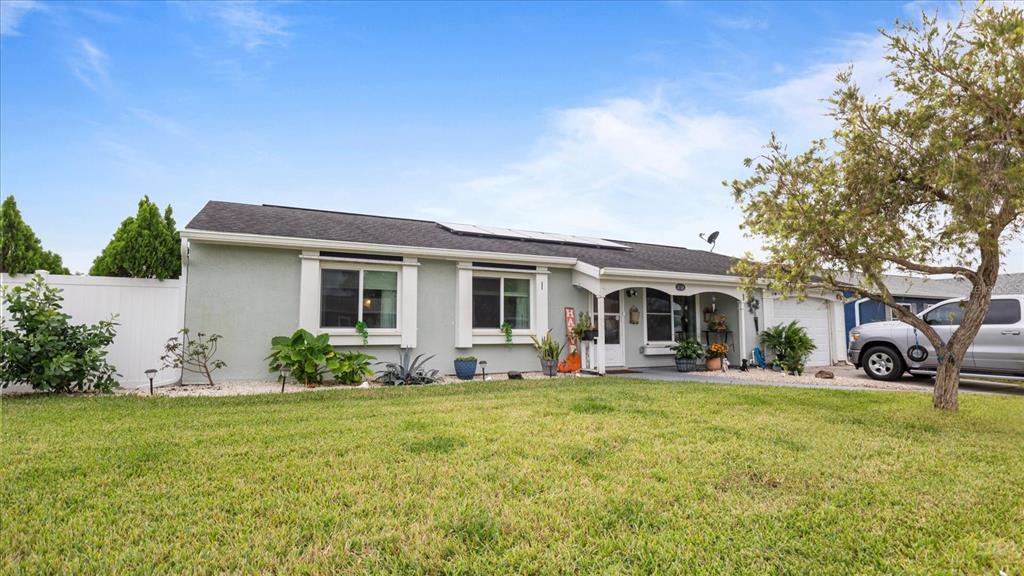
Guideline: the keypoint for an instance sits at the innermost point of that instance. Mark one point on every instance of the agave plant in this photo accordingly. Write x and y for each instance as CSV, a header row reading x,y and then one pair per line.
x,y
408,370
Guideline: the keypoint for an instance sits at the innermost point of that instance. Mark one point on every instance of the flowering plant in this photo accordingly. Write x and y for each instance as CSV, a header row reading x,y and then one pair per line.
x,y
718,350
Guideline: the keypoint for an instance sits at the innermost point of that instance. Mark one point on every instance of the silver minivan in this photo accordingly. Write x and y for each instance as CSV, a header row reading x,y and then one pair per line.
x,y
888,349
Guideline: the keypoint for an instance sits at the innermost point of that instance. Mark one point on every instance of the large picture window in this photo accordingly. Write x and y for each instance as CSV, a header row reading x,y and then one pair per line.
x,y
499,300
668,318
348,296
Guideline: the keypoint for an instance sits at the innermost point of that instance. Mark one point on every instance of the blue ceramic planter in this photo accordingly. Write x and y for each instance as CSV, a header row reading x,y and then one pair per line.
x,y
465,369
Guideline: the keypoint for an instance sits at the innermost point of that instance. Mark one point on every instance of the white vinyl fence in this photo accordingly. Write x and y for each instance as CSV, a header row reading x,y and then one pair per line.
x,y
148,313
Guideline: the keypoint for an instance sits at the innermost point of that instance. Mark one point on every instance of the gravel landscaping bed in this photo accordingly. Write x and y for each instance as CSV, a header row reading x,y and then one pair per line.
x,y
844,376
249,387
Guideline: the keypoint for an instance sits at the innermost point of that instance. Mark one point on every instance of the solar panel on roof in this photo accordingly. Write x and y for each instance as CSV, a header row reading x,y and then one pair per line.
x,y
494,232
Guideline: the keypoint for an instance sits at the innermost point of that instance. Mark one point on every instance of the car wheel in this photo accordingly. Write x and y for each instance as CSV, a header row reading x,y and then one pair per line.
x,y
882,363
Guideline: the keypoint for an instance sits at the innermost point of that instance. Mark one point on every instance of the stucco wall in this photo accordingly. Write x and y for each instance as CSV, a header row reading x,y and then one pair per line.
x,y
250,295
436,322
247,295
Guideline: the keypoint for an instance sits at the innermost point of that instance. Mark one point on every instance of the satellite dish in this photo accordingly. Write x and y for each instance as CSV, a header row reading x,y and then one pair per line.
x,y
710,239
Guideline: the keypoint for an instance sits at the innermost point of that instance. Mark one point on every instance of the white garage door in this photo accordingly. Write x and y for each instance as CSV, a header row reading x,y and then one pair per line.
x,y
812,314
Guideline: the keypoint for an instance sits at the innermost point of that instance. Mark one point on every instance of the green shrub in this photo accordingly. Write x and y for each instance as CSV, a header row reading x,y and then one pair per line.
x,y
46,351
352,367
308,357
465,358
689,348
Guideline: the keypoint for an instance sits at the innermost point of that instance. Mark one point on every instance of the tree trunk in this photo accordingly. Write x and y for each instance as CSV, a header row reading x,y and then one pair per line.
x,y
947,383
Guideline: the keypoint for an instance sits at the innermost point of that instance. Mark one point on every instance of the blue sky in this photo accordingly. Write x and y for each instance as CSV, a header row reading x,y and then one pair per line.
x,y
615,120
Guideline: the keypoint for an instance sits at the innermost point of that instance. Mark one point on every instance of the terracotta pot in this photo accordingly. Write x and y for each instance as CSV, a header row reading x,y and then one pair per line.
x,y
713,364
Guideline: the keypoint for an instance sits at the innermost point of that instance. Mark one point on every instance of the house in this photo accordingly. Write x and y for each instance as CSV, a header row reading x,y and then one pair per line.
x,y
914,293
1009,284
257,271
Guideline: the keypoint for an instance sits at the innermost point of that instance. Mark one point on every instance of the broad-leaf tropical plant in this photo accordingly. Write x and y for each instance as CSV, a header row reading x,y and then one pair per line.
x,y
352,367
927,182
308,357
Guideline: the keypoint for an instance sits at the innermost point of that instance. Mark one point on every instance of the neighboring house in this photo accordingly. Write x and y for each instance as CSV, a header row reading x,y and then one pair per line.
x,y
915,294
254,272
1009,284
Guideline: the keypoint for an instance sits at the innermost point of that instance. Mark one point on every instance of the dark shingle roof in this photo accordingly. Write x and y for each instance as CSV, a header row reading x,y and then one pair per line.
x,y
1009,284
324,225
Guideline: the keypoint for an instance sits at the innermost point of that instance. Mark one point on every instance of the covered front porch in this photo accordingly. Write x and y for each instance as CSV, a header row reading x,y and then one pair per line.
x,y
639,315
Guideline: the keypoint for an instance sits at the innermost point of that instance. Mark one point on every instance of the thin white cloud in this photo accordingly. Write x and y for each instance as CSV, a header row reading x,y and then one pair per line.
x,y
636,169
741,23
13,12
797,106
252,25
89,64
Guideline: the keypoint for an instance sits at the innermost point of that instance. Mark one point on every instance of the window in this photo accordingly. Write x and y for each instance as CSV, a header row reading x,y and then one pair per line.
x,y
945,315
499,300
1003,312
348,296
668,317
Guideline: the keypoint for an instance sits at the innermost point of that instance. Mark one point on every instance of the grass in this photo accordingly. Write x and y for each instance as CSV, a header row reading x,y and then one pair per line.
x,y
609,476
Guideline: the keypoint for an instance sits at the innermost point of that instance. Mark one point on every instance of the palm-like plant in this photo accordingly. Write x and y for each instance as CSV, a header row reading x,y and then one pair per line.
x,y
791,343
547,347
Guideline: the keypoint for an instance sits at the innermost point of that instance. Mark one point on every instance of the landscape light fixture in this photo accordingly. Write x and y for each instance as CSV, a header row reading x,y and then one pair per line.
x,y
151,373
285,371
483,369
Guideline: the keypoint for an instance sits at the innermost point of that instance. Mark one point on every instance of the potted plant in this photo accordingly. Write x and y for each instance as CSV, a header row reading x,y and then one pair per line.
x,y
688,351
584,329
791,344
465,367
715,352
548,350
718,323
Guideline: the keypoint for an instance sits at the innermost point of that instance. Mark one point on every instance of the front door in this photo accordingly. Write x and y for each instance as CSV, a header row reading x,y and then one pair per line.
x,y
612,325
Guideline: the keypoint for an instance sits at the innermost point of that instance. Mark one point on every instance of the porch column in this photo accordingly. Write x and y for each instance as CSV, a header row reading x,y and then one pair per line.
x,y
742,340
600,334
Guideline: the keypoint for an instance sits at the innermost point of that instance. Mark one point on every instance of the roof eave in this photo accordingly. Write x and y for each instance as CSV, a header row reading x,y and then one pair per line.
x,y
243,239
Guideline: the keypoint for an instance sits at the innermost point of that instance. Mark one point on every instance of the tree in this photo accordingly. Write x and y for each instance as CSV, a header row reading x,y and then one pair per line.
x,y
144,246
930,182
20,249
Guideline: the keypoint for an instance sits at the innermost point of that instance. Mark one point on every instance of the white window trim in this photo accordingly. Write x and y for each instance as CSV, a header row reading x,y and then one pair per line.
x,y
404,335
467,337
361,268
527,332
659,346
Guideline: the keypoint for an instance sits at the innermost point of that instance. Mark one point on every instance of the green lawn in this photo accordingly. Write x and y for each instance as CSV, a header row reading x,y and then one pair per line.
x,y
608,476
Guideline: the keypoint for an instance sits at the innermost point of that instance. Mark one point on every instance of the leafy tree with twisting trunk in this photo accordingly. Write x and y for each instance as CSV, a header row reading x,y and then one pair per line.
x,y
927,182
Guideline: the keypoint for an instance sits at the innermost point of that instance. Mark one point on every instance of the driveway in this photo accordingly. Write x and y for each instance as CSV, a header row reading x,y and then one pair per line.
x,y
845,378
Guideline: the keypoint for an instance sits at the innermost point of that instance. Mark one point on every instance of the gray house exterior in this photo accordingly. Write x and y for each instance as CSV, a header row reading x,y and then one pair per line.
x,y
253,272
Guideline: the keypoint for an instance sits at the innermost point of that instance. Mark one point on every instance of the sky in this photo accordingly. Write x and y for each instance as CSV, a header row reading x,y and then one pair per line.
x,y
605,119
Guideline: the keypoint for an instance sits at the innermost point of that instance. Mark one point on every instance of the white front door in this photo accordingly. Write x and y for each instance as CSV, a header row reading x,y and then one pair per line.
x,y
612,325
